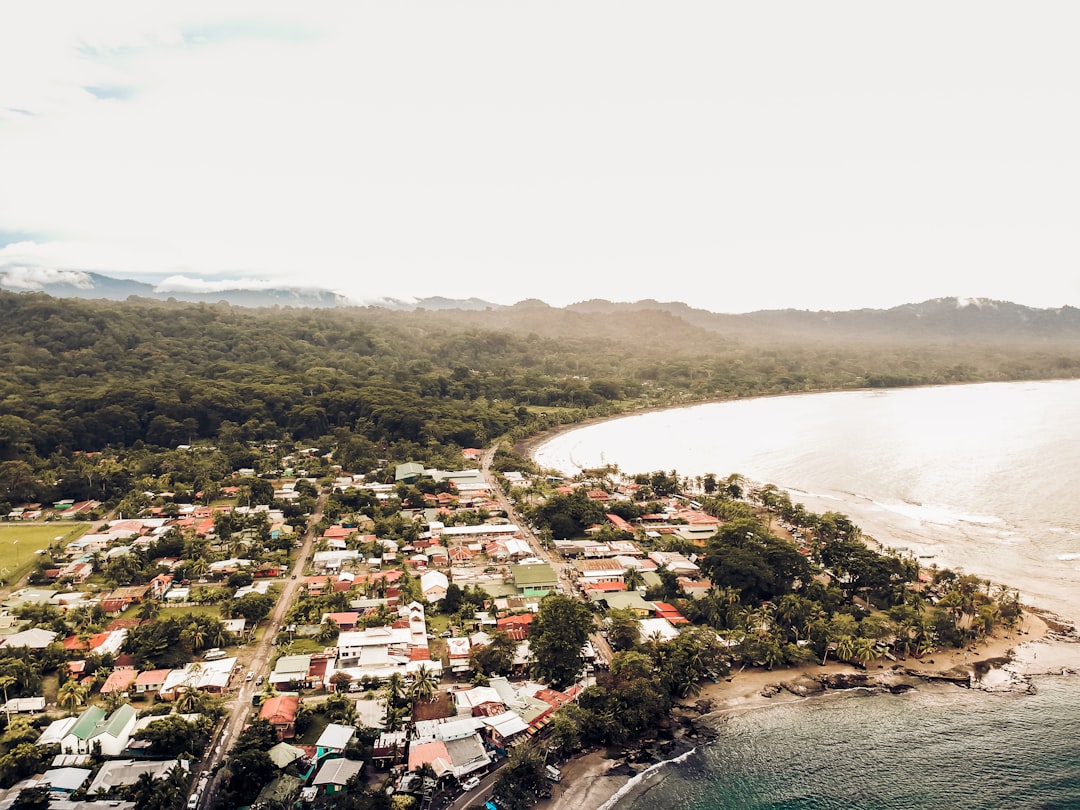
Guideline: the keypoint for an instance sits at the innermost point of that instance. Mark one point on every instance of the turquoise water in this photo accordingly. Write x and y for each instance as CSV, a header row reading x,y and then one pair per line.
x,y
942,747
983,478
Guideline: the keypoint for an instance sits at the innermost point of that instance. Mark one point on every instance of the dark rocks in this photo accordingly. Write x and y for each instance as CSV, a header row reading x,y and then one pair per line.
x,y
803,686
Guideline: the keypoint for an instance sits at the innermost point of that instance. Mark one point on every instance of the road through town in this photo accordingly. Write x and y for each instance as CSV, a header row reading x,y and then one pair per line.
x,y
239,708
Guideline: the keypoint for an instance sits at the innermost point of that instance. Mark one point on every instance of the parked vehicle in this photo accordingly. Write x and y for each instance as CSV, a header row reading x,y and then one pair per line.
x,y
471,783
552,773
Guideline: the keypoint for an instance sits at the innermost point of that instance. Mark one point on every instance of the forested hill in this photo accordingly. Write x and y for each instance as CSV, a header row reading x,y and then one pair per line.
x,y
83,375
941,319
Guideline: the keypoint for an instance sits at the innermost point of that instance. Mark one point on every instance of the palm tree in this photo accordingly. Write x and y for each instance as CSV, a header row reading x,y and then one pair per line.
x,y
395,690
865,649
423,687
845,648
149,609
72,694
633,579
5,682
187,701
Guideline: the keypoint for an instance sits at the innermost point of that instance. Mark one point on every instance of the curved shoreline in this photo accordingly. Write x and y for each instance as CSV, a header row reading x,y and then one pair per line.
x,y
1005,663
592,782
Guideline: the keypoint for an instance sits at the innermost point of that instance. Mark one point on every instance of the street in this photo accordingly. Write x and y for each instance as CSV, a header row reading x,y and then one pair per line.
x,y
239,708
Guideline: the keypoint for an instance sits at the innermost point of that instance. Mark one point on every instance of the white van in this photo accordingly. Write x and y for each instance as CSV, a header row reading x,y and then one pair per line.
x,y
552,773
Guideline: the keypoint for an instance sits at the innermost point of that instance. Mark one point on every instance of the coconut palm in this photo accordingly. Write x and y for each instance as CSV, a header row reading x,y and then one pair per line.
x,y
865,649
149,609
845,648
633,579
423,687
72,694
188,701
395,689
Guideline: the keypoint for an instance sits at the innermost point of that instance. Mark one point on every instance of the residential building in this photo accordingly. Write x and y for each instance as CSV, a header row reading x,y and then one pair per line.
x,y
534,579
281,712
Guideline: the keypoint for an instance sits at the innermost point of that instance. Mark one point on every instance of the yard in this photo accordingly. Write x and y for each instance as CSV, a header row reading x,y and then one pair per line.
x,y
19,543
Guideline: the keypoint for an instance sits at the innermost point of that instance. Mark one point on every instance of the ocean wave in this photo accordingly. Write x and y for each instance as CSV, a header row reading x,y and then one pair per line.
x,y
641,777
1070,556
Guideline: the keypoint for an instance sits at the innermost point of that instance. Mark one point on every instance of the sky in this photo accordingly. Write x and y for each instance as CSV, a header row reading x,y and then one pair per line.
x,y
736,156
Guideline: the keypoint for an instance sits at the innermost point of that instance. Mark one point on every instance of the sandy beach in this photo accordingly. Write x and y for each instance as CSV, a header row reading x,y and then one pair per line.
x,y
591,781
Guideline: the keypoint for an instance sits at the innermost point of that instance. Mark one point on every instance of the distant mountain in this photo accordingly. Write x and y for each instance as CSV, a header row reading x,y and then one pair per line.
x,y
95,285
939,319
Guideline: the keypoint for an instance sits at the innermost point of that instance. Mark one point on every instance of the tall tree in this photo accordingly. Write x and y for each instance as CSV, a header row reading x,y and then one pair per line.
x,y
557,636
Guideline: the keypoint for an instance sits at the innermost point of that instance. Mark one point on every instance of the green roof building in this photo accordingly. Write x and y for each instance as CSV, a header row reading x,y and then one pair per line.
x,y
534,579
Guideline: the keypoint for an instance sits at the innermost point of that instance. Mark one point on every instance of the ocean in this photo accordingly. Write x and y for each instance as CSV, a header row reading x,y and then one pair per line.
x,y
979,478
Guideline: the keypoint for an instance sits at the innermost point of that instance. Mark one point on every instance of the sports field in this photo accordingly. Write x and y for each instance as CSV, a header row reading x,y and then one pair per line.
x,y
20,542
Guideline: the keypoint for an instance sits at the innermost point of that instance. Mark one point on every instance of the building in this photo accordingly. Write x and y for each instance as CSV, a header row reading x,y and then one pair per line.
x,y
94,730
534,579
334,739
281,712
334,774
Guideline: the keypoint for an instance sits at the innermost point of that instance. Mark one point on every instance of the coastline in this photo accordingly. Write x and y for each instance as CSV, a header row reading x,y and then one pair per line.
x,y
1005,662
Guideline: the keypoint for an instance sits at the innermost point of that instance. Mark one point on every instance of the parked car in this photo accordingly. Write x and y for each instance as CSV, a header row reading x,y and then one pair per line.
x,y
472,783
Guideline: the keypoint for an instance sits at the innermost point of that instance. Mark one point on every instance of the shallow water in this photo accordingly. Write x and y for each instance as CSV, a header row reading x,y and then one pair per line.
x,y
977,477
939,747
982,478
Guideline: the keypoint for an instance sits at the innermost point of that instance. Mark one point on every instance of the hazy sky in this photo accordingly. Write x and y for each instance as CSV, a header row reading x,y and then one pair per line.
x,y
736,156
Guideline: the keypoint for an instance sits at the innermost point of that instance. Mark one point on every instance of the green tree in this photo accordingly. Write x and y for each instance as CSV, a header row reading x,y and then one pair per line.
x,y
557,636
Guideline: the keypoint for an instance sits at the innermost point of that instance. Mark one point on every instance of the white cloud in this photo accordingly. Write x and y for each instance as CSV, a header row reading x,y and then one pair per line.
x,y
34,278
817,157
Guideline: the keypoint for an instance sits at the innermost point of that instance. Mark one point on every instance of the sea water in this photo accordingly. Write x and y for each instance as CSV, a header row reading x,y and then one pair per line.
x,y
981,478
938,747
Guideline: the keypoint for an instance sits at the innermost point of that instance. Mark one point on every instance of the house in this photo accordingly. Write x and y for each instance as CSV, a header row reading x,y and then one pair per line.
x,y
669,612
205,676
598,570
125,772
283,754
334,739
281,712
430,753
433,585
505,730
65,781
290,669
151,680
56,731
235,627
34,639
656,628
120,599
346,620
621,600
389,749
119,680
334,775
94,729
534,579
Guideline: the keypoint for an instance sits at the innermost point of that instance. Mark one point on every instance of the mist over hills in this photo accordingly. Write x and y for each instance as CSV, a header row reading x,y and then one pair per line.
x,y
948,319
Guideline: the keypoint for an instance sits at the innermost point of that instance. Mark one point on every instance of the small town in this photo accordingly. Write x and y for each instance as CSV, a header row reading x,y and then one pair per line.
x,y
296,633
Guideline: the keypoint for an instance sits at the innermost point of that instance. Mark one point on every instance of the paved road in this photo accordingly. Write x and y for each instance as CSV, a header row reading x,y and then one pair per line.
x,y
239,708
566,584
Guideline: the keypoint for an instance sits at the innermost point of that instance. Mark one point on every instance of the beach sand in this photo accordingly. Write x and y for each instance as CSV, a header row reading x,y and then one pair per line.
x,y
591,780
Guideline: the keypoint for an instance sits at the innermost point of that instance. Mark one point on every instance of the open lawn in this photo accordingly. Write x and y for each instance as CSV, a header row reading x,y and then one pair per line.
x,y
20,541
212,611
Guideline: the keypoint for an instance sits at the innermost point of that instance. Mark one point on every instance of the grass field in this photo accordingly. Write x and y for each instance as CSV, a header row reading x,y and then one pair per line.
x,y
212,611
20,541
